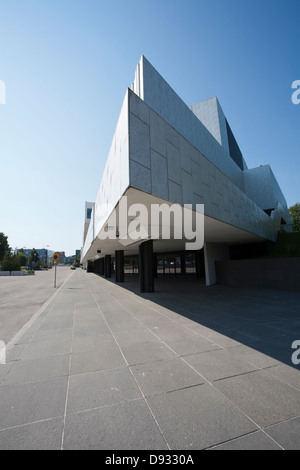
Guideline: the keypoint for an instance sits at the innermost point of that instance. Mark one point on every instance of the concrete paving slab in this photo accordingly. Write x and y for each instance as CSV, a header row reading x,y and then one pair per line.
x,y
254,441
232,322
4,370
191,344
92,323
226,340
87,309
286,433
14,353
165,376
126,339
198,417
123,426
62,334
123,323
33,370
97,389
150,352
253,354
30,332
219,364
285,327
285,373
58,321
96,360
151,318
30,402
279,348
46,348
43,435
261,331
168,330
87,340
262,397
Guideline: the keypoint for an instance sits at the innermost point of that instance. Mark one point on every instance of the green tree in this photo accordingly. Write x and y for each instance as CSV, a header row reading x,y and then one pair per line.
x,y
22,257
77,260
11,262
4,246
33,257
295,214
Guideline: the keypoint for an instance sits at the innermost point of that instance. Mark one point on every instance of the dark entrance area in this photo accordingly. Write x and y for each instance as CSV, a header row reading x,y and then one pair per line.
x,y
148,266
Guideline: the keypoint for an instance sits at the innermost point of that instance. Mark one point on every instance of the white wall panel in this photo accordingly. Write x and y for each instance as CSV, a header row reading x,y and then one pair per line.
x,y
163,99
203,183
139,141
115,178
174,163
140,176
159,175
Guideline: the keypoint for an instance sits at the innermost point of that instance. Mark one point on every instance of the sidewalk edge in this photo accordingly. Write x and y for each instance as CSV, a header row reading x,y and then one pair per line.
x,y
30,322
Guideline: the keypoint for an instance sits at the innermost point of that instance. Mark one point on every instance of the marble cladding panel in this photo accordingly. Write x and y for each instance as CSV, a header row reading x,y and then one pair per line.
x,y
162,99
140,176
139,133
157,133
174,163
159,175
175,193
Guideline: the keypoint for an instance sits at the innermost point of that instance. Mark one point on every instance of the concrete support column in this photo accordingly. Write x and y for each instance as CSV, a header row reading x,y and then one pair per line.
x,y
155,265
146,266
213,252
96,266
107,266
101,266
182,264
90,266
119,257
199,263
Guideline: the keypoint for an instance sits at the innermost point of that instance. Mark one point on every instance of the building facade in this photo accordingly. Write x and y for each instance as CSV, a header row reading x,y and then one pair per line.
x,y
165,152
42,252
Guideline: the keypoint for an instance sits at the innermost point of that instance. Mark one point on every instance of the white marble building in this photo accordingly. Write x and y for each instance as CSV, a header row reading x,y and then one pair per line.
x,y
164,151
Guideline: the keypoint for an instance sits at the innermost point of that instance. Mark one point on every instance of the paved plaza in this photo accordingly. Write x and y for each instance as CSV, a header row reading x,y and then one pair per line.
x,y
22,296
100,366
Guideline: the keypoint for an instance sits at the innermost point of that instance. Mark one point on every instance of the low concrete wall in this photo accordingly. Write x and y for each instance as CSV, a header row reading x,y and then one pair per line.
x,y
13,273
272,273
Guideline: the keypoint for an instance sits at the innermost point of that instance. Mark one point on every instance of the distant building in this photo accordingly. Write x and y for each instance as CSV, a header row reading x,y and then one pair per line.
x,y
88,215
50,256
72,258
42,252
45,256
62,256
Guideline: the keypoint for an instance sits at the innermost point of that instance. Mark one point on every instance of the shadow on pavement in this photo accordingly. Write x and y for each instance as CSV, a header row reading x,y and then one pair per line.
x,y
264,320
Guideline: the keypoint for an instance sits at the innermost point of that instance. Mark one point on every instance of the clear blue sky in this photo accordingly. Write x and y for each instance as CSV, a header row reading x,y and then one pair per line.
x,y
67,63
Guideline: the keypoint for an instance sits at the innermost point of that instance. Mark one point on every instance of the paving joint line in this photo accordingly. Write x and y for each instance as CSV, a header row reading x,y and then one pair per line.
x,y
68,381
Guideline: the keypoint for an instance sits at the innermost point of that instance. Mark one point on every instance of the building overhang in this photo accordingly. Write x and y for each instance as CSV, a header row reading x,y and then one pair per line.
x,y
116,233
